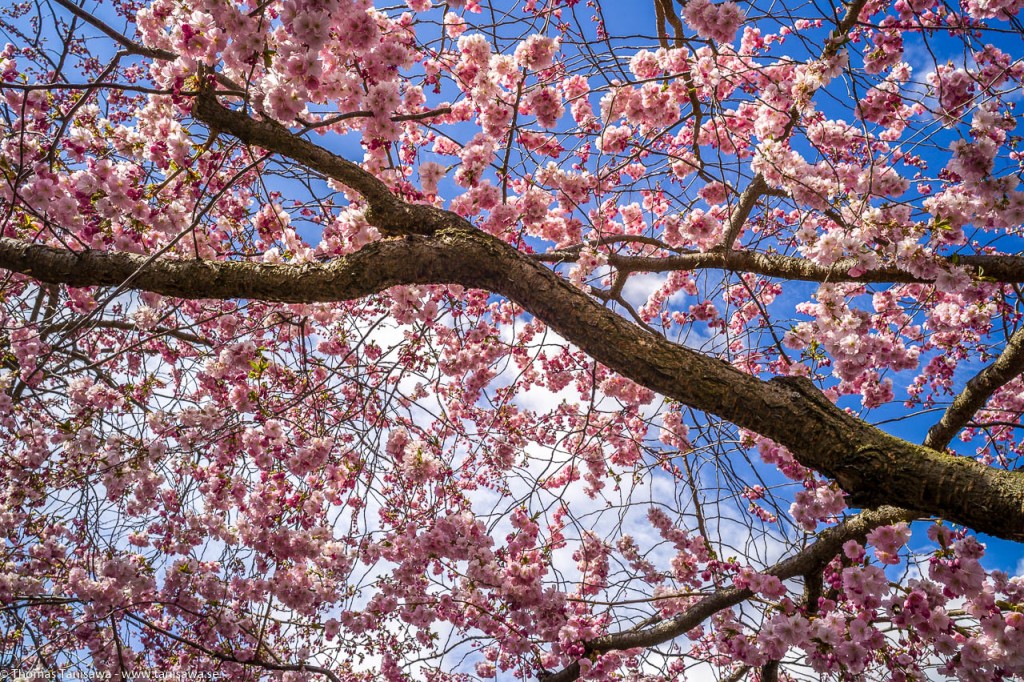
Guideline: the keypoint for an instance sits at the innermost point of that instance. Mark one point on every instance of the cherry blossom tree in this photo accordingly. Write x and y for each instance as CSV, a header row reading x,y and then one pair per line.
x,y
532,340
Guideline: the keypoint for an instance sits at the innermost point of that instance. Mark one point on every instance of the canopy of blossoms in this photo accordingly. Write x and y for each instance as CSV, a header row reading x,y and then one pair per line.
x,y
539,339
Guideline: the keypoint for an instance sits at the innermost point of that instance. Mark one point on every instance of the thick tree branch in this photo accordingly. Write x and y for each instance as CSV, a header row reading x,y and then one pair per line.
x,y
751,194
874,467
978,390
128,44
812,558
1009,268
386,211
770,672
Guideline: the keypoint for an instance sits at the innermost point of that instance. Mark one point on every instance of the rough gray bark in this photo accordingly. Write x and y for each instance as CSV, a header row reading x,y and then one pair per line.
x,y
978,390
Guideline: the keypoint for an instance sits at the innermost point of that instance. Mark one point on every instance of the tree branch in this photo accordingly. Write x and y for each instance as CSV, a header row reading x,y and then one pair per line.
x,y
758,187
154,333
978,390
814,557
256,663
129,45
875,468
386,211
1008,268
750,195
